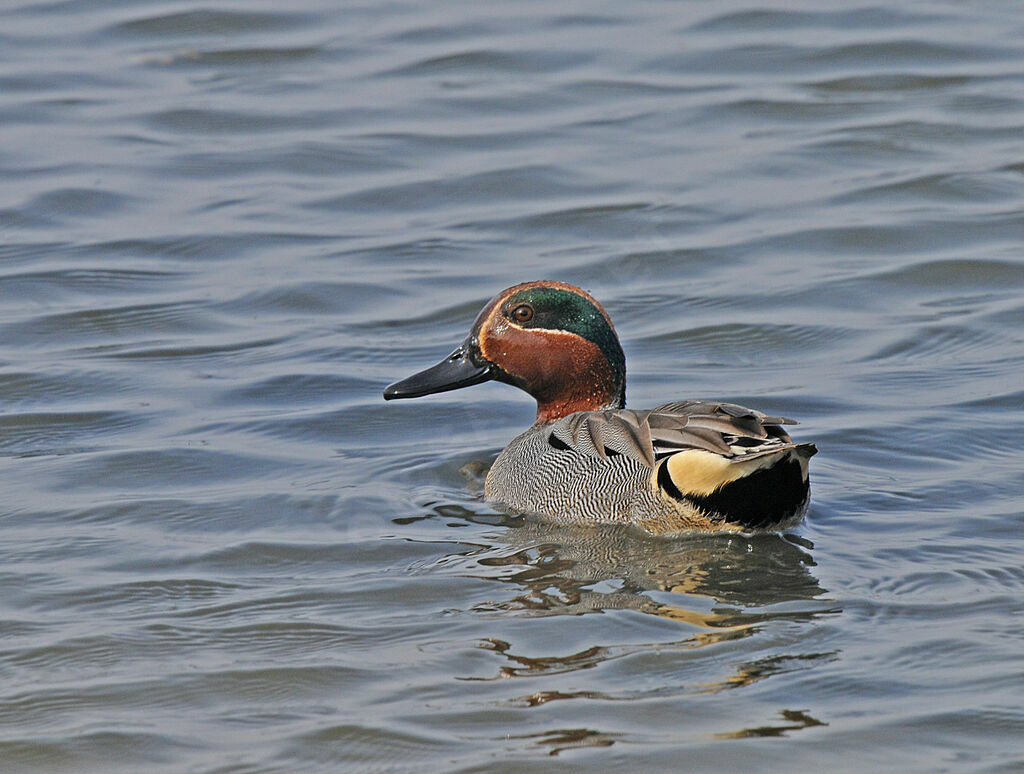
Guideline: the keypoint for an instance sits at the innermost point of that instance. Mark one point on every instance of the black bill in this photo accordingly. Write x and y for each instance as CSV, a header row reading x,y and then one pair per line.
x,y
461,368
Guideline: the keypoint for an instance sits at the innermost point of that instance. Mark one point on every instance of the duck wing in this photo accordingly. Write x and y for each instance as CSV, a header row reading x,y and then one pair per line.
x,y
725,429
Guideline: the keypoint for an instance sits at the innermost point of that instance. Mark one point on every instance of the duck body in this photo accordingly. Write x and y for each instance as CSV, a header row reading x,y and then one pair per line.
x,y
681,467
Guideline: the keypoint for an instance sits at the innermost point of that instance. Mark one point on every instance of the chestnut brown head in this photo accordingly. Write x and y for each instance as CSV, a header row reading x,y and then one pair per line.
x,y
550,339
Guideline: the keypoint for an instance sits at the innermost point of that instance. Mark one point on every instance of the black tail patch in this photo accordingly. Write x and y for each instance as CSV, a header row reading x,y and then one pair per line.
x,y
666,483
764,498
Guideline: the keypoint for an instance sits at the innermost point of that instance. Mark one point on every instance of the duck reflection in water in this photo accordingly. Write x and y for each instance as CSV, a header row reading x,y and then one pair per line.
x,y
722,587
716,592
573,570
721,590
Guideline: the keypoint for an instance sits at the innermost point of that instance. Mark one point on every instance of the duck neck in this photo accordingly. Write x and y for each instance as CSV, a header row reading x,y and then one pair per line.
x,y
592,391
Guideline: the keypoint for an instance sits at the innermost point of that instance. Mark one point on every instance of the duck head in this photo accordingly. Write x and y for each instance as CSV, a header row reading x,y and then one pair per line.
x,y
550,339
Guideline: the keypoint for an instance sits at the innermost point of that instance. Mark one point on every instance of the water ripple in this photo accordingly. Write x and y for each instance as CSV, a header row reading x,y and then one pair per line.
x,y
211,22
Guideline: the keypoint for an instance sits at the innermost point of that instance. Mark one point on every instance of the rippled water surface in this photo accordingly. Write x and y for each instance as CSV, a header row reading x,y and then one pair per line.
x,y
224,227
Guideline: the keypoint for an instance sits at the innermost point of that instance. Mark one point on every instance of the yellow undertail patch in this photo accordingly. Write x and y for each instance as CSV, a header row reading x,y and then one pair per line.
x,y
696,472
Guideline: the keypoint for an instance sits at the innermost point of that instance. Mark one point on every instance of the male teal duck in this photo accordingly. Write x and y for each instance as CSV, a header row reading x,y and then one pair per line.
x,y
681,467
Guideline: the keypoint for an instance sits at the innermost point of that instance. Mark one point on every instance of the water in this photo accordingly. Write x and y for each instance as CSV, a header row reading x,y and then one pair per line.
x,y
225,227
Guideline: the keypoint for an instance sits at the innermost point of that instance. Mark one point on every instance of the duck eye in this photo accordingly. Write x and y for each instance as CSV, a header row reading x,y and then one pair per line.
x,y
522,313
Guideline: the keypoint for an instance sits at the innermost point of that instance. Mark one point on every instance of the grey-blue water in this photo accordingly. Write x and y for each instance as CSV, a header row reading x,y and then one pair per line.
x,y
225,226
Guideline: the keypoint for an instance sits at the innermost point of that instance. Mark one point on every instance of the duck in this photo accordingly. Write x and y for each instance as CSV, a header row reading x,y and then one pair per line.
x,y
682,467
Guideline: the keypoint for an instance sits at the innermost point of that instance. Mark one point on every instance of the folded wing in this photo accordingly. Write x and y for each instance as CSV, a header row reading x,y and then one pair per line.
x,y
726,429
